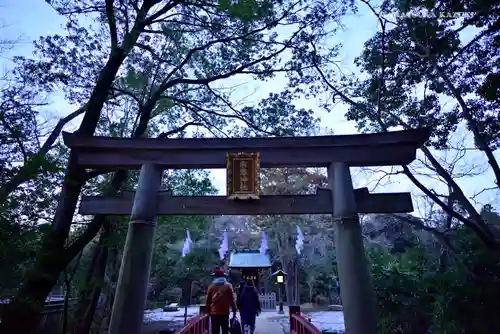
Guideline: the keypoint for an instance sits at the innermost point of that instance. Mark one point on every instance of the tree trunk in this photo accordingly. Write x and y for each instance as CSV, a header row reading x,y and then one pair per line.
x,y
289,282
95,279
87,289
157,289
311,290
443,257
114,267
297,282
21,315
86,325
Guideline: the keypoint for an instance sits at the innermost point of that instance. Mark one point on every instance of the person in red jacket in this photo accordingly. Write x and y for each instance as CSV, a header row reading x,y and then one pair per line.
x,y
220,297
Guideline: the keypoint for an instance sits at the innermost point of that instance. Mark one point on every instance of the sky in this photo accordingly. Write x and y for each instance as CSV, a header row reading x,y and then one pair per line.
x,y
29,19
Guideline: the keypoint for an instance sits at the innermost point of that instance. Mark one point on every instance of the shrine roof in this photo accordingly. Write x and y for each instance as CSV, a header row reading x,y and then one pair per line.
x,y
249,259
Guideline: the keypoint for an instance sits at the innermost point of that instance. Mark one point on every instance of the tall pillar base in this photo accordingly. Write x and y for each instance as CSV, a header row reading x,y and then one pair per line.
x,y
133,281
356,290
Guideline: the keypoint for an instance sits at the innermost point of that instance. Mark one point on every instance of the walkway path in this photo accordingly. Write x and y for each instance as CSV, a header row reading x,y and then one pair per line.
x,y
270,322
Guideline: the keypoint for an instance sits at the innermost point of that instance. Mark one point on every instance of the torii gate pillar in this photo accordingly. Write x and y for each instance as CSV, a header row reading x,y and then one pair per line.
x,y
358,298
132,287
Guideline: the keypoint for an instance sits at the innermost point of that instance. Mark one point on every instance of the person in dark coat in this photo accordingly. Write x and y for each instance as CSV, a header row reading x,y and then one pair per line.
x,y
250,306
240,289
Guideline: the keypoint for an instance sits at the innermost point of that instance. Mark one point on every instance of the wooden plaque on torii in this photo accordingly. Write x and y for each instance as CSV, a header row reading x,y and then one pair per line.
x,y
243,175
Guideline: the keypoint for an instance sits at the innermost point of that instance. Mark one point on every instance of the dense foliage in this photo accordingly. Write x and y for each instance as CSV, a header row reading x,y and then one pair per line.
x,y
420,289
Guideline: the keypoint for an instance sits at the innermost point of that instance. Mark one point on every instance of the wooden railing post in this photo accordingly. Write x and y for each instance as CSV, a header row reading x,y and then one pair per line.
x,y
132,287
293,309
358,298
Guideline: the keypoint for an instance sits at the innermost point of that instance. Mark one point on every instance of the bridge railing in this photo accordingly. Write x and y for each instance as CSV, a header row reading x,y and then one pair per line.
x,y
197,325
299,324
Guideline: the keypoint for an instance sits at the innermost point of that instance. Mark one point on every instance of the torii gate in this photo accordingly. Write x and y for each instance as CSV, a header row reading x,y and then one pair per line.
x,y
337,153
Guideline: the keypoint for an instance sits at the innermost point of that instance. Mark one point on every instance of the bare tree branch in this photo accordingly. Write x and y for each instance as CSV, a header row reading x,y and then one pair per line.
x,y
476,223
30,168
